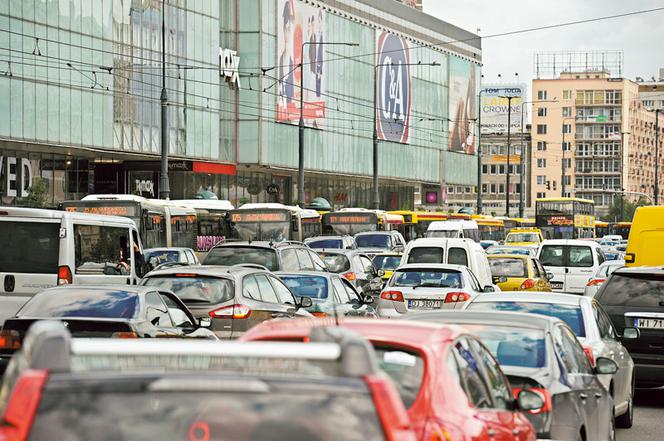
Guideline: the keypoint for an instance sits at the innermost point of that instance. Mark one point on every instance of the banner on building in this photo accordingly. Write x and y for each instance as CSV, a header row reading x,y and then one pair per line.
x,y
464,89
393,88
300,26
494,107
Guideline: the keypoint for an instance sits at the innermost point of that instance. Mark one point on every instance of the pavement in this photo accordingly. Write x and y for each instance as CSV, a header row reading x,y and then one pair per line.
x,y
648,414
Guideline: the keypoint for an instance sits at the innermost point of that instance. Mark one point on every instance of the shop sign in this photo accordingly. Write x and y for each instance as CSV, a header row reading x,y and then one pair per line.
x,y
229,63
272,189
16,176
142,186
206,243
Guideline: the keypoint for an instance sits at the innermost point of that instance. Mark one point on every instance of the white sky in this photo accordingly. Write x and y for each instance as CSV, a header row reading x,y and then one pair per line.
x,y
641,37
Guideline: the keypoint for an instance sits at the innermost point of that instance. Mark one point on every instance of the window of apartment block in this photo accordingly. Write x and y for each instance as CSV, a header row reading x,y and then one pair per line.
x,y
541,163
567,128
450,189
567,94
518,188
541,111
567,112
541,195
493,188
568,162
541,180
541,94
541,129
568,180
485,188
553,184
501,169
541,146
567,146
485,169
501,188
493,169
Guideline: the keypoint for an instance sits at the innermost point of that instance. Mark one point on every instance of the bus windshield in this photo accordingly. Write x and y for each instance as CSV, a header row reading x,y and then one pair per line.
x,y
260,225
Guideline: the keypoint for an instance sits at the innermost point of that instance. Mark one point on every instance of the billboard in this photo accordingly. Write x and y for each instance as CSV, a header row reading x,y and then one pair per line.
x,y
300,26
393,88
464,88
494,108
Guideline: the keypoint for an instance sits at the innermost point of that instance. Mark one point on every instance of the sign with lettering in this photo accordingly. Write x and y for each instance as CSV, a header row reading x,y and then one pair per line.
x,y
104,210
229,64
258,216
351,218
206,243
16,176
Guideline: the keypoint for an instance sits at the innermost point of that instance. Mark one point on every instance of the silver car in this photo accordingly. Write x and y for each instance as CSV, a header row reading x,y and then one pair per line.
x,y
592,327
427,286
600,276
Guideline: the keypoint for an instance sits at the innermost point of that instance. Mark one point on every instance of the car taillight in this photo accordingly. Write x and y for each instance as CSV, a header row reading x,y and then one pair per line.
x,y
528,284
457,297
64,275
319,314
350,276
390,408
10,339
396,296
124,335
596,282
237,312
22,406
544,393
589,353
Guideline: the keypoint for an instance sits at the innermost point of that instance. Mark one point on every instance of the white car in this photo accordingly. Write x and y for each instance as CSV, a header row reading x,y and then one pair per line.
x,y
422,287
572,263
603,273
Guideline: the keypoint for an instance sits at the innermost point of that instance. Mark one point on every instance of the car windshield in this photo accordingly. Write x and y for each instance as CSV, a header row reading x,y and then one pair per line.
x,y
236,255
607,270
502,250
519,347
429,278
165,410
508,267
337,263
387,263
522,237
570,314
307,286
333,244
373,241
448,234
633,290
192,288
157,257
405,368
81,302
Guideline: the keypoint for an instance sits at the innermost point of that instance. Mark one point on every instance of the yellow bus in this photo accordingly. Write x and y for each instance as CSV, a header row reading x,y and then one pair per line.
x,y
516,222
602,228
565,218
621,229
490,227
416,223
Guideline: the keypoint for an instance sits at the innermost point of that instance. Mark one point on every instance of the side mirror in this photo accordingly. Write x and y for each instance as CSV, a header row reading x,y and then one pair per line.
x,y
204,322
368,300
605,366
530,401
549,276
631,334
381,273
305,302
502,279
489,288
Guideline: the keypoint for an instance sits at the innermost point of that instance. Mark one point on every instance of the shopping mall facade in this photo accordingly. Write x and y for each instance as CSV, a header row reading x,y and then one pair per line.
x,y
80,88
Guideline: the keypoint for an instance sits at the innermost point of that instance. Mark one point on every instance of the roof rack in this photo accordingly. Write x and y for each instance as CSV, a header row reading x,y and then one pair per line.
x,y
250,265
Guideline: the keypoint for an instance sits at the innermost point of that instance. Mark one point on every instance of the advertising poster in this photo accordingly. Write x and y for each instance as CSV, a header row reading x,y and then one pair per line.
x,y
393,88
464,89
297,24
494,102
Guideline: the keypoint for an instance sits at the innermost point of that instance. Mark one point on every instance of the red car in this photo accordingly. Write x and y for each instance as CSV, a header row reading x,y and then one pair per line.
x,y
451,384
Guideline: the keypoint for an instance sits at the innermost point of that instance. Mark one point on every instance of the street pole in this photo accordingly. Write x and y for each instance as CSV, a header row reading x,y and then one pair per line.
x,y
523,169
479,153
622,174
657,156
164,185
507,172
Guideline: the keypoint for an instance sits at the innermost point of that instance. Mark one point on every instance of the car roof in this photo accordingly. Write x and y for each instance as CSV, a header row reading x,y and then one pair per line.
x,y
533,297
207,270
305,274
337,251
130,289
366,233
590,243
334,237
431,266
655,270
497,318
509,256
438,241
260,244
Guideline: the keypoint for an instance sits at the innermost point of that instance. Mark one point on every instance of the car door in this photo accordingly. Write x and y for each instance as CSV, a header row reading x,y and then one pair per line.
x,y
158,317
343,304
543,283
359,307
285,296
552,257
372,285
581,265
271,300
183,321
613,349
306,264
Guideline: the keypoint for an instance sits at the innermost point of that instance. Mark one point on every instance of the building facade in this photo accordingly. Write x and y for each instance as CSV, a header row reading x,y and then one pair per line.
x,y
83,89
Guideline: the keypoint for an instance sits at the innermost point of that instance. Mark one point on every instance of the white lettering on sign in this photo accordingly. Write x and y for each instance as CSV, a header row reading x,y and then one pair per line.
x,y
10,177
17,176
229,63
394,109
144,187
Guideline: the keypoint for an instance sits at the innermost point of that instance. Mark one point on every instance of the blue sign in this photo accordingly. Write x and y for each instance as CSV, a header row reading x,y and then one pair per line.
x,y
393,88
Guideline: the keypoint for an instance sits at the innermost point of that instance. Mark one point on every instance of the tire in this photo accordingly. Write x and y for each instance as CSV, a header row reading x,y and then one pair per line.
x,y
626,420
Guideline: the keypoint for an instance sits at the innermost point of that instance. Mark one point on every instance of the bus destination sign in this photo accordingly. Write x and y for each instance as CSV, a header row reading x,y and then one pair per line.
x,y
252,216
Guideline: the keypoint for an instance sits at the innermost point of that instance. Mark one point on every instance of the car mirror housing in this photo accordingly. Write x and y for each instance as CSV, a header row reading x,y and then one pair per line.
x,y
605,366
489,288
204,322
381,273
549,276
305,302
631,333
529,401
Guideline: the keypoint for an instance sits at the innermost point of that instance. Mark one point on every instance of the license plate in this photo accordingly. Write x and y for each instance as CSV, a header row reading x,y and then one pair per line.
x,y
556,285
425,304
645,323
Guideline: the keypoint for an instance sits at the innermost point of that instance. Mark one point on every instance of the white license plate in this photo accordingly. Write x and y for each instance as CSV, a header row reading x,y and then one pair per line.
x,y
556,285
649,323
425,304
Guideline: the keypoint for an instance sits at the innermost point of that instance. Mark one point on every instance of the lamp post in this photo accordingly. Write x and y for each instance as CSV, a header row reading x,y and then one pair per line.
x,y
657,156
300,162
622,174
507,171
479,152
164,184
376,191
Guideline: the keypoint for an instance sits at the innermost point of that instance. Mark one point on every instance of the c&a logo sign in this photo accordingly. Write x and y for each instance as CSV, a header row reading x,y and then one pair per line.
x,y
393,88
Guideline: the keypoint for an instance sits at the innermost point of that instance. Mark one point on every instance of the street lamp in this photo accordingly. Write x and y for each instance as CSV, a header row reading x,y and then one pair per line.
x,y
164,184
300,165
376,192
479,152
622,173
657,111
507,172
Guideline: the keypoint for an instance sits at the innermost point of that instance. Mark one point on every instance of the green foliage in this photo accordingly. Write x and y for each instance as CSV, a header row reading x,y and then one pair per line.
x,y
628,209
38,194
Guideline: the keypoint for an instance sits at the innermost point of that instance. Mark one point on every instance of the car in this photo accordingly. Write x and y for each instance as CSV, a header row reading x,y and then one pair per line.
x,y
542,355
449,382
634,298
572,263
512,249
233,298
331,294
488,243
387,263
518,273
612,238
69,389
600,276
159,256
454,229
646,238
331,242
524,237
356,267
122,311
374,242
273,256
417,287
592,327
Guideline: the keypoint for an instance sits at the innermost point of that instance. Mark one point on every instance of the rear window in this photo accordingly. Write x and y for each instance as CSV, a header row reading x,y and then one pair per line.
x,y
508,267
29,247
426,255
632,290
156,258
405,368
373,241
570,314
515,346
195,289
337,263
307,286
522,237
229,256
136,411
387,263
334,244
72,302
447,234
427,279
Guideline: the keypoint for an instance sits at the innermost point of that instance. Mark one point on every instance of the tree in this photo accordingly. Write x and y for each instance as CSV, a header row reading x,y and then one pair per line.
x,y
629,208
37,194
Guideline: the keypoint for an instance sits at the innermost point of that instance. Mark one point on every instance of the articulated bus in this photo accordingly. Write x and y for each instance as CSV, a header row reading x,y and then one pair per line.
x,y
565,218
416,223
272,222
160,223
350,221
212,225
490,228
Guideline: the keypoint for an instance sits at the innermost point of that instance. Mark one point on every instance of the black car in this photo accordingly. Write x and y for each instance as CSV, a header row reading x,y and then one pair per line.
x,y
356,267
234,298
273,256
634,298
104,311
543,355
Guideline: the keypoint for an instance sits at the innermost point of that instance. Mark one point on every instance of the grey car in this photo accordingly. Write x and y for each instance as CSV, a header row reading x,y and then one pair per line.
x,y
374,242
592,327
542,354
331,242
159,256
356,267
234,298
274,256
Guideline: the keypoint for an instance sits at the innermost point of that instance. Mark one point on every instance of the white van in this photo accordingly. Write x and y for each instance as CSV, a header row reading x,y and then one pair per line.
x,y
465,252
572,263
454,229
45,248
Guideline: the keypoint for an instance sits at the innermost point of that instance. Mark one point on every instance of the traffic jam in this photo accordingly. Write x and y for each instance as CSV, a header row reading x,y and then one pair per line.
x,y
125,318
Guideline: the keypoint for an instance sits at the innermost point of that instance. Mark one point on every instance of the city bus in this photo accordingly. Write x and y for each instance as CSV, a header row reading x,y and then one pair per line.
x,y
565,218
621,229
160,223
516,222
602,229
350,221
272,222
212,227
416,223
490,228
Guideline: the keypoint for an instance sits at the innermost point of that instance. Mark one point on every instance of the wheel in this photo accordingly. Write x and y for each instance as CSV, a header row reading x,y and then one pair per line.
x,y
626,420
